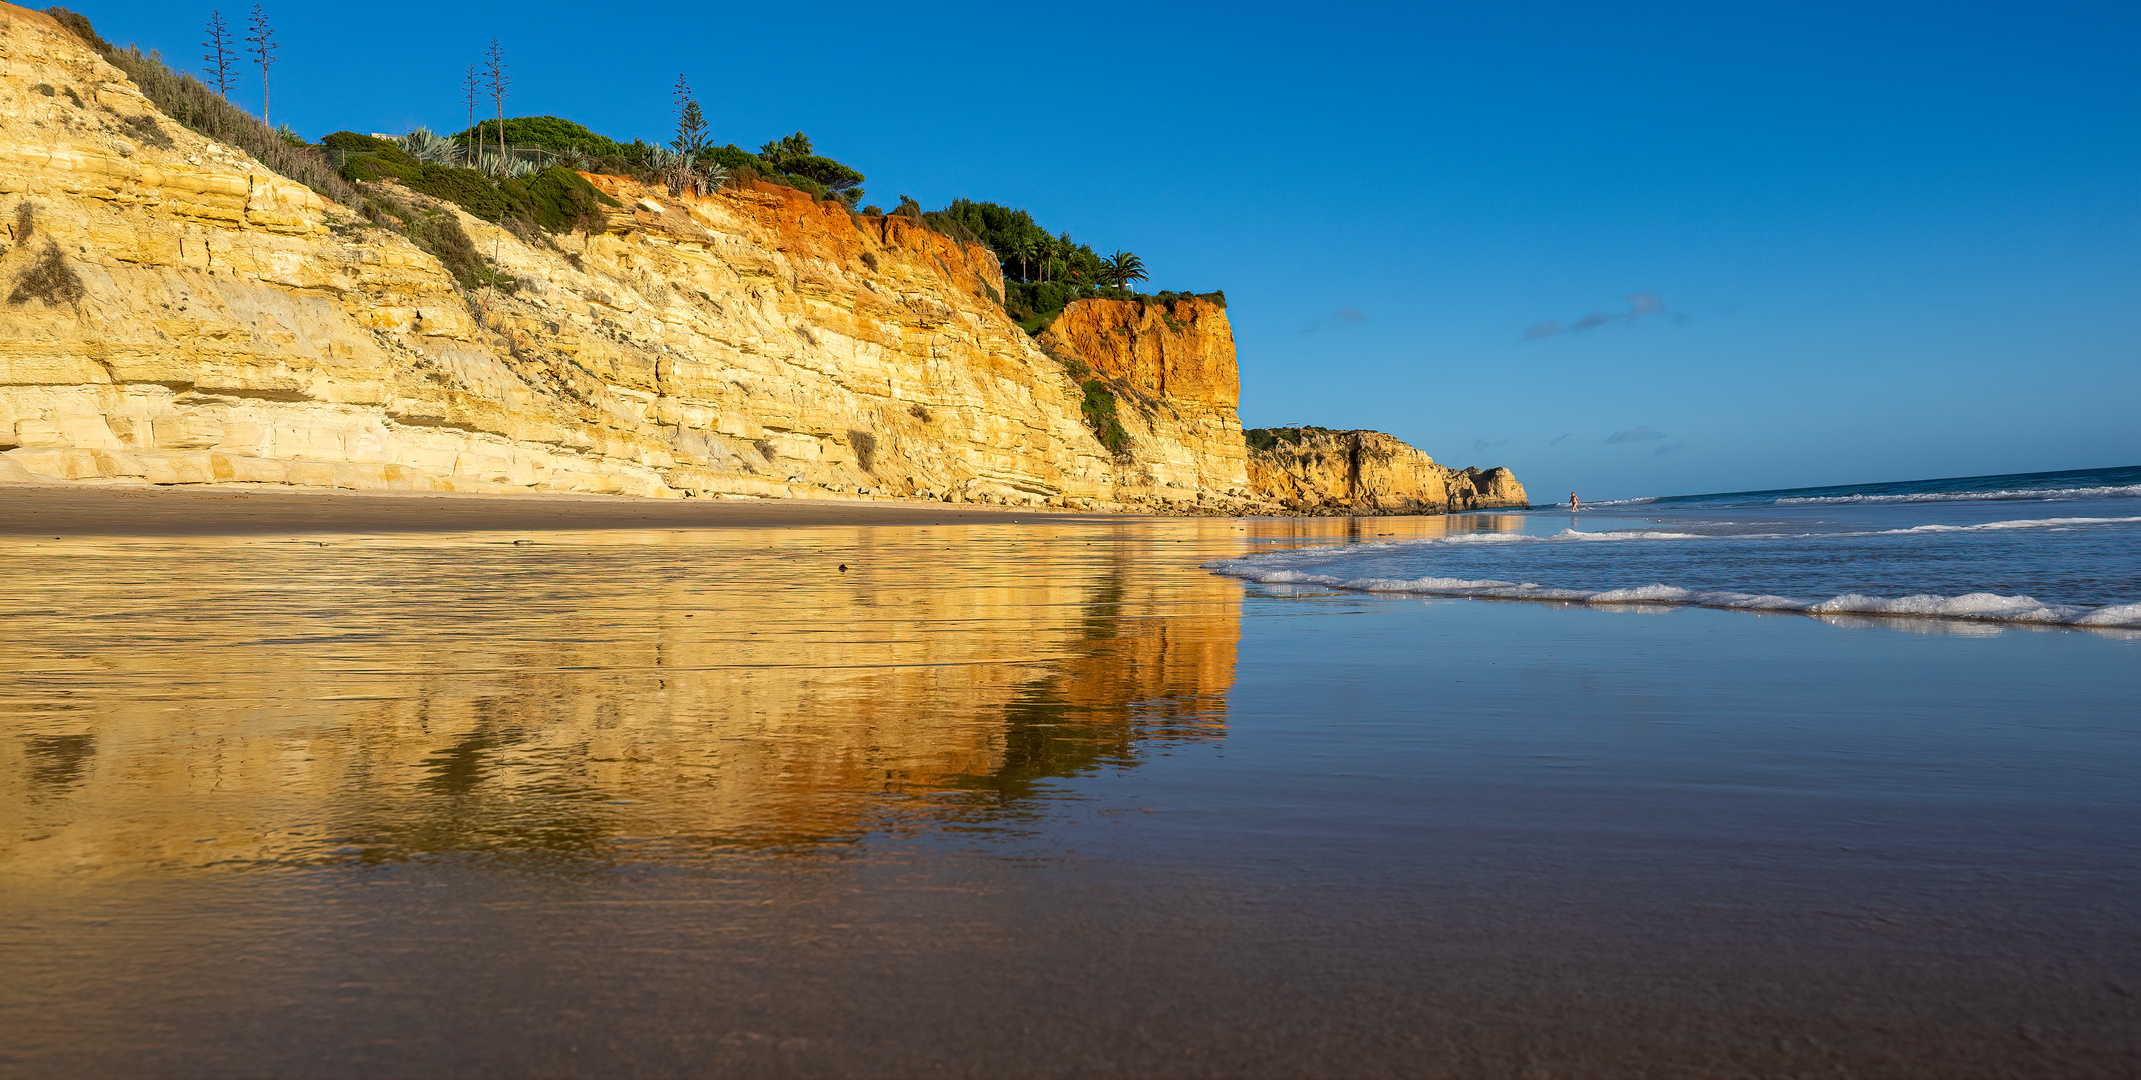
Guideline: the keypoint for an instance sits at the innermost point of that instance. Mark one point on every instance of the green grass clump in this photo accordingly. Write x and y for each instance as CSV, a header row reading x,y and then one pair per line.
x,y
1101,416
558,200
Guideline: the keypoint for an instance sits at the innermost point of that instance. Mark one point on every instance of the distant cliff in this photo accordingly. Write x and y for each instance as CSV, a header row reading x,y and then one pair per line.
x,y
1311,470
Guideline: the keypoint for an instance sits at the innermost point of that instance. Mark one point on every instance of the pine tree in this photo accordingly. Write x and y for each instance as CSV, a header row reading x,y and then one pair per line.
x,y
690,122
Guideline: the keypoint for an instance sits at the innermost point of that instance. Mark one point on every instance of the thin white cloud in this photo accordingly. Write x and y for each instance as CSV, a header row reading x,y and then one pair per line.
x,y
1639,305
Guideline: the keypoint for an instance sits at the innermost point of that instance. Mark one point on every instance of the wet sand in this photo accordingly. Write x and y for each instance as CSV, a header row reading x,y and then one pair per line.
x,y
58,510
1029,800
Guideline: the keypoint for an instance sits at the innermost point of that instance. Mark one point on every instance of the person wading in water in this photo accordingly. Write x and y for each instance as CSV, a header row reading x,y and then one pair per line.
x,y
1572,502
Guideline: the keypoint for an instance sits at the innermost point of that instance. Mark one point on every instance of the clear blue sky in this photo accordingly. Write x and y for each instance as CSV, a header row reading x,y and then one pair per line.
x,y
1830,243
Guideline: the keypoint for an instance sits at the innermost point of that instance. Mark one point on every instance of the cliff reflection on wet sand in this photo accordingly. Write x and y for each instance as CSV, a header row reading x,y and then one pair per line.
x,y
584,697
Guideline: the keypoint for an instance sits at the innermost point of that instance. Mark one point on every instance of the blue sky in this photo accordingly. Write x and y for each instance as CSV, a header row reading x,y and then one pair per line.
x,y
1630,250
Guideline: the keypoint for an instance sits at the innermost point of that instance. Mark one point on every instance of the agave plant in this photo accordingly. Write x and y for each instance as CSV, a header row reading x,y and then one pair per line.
x,y
505,168
681,171
430,149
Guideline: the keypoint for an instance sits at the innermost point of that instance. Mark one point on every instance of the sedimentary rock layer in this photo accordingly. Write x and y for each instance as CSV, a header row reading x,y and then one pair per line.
x,y
1318,471
172,312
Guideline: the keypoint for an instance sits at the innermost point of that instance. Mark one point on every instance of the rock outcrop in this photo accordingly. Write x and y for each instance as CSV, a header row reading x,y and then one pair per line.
x,y
1172,362
173,312
1311,470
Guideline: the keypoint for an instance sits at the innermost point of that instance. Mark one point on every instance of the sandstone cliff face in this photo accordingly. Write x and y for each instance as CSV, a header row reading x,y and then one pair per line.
x,y
1173,362
172,312
1318,471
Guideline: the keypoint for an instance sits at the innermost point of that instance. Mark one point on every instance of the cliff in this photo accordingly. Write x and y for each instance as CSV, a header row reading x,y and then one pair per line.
x,y
175,313
1173,362
1318,471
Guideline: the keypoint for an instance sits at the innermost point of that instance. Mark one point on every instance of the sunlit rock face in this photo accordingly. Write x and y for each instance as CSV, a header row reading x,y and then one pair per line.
x,y
1315,470
1173,363
172,312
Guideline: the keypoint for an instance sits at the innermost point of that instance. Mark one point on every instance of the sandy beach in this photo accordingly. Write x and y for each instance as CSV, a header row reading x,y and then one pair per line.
x,y
1039,798
62,510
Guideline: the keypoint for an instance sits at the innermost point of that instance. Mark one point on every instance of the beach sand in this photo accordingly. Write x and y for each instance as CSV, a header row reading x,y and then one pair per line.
x,y
1032,799
63,510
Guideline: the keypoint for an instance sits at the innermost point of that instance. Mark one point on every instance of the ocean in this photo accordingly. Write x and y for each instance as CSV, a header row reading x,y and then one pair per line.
x,y
2049,548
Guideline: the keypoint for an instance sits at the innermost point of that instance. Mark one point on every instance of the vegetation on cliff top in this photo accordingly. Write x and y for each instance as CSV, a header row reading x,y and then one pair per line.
x,y
535,183
1269,438
187,100
554,199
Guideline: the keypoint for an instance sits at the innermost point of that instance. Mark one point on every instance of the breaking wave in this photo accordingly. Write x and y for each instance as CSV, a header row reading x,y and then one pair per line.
x,y
2118,491
2122,482
1989,607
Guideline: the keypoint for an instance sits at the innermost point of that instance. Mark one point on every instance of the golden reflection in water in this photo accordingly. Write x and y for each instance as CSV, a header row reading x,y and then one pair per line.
x,y
604,697
594,695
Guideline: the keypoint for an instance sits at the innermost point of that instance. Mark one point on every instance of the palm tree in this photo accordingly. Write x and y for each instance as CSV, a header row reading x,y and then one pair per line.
x,y
1044,248
1122,268
1023,249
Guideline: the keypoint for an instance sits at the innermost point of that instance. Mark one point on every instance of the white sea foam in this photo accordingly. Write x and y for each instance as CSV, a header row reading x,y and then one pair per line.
x,y
1629,534
1987,607
2120,491
2026,523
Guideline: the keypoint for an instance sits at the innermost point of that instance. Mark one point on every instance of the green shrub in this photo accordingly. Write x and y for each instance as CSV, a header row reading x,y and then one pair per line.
x,y
469,189
1100,415
1216,296
802,183
865,445
373,167
50,280
358,143
1265,439
733,157
436,232
149,131
551,133
558,199
828,174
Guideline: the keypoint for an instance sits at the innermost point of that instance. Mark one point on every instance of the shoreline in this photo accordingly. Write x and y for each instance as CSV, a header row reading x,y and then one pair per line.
x,y
65,510
60,510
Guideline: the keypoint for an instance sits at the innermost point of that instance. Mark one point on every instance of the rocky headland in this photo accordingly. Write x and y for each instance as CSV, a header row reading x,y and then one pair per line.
x,y
173,312
1311,470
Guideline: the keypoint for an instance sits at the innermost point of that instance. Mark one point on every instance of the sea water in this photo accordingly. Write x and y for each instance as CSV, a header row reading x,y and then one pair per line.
x,y
2059,548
